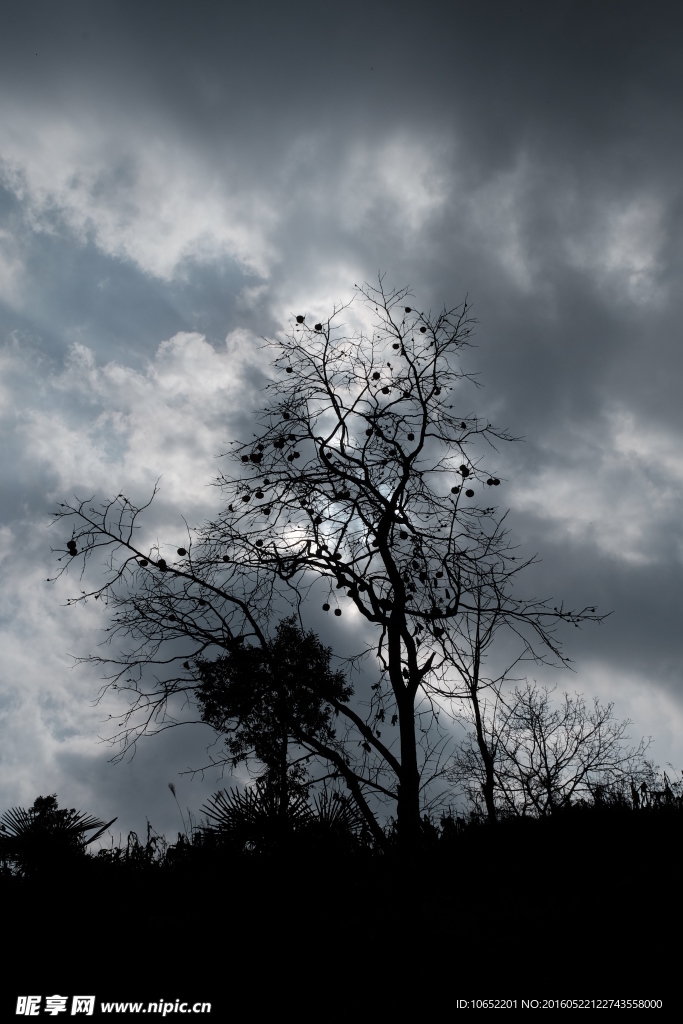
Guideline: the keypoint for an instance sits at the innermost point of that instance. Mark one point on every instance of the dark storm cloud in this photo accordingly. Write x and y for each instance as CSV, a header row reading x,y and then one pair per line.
x,y
584,87
176,170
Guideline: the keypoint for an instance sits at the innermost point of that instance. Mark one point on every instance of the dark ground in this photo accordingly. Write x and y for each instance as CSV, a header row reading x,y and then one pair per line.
x,y
582,908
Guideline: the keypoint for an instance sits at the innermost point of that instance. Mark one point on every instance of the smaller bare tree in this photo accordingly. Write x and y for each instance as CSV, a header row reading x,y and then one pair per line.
x,y
546,756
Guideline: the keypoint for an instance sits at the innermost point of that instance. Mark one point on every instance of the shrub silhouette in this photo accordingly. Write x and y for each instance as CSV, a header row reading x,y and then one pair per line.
x,y
254,820
46,836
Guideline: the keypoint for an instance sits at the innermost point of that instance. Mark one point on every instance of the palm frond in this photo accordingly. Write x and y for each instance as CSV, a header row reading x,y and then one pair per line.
x,y
338,814
18,822
233,809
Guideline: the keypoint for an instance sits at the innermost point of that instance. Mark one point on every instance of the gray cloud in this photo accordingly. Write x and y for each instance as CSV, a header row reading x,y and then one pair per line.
x,y
175,174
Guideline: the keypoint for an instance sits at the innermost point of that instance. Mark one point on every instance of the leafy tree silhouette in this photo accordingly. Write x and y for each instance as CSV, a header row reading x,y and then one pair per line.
x,y
46,835
367,479
264,698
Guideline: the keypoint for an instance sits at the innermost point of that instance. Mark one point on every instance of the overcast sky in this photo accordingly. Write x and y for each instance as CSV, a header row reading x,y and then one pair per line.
x,y
177,179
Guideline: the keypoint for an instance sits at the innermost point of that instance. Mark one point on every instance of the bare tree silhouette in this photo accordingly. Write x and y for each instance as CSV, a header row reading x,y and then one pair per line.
x,y
546,756
367,487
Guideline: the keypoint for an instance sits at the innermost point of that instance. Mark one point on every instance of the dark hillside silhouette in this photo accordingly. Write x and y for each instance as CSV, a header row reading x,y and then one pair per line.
x,y
538,906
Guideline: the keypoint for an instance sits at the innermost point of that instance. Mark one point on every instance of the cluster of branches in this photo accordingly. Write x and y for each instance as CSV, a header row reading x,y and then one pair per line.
x,y
547,756
366,477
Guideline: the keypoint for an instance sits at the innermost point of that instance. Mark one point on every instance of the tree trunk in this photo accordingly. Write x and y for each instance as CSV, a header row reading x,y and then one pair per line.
x,y
284,783
408,804
488,785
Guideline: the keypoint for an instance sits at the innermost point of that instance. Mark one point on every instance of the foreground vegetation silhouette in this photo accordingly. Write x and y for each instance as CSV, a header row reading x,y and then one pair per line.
x,y
250,826
46,837
539,901
246,838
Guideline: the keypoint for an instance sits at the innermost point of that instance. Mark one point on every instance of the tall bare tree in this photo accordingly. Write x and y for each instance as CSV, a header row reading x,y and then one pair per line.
x,y
367,487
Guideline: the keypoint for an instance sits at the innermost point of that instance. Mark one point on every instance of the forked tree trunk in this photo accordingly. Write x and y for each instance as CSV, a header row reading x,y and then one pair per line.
x,y
488,786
